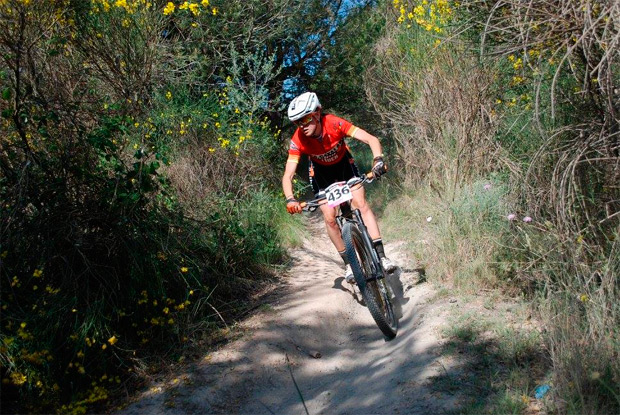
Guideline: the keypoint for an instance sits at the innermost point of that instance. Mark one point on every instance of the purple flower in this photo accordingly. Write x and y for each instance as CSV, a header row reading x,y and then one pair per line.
x,y
527,219
487,186
511,217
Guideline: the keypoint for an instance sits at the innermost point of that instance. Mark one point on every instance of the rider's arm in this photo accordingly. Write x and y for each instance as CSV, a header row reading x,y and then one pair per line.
x,y
371,140
287,180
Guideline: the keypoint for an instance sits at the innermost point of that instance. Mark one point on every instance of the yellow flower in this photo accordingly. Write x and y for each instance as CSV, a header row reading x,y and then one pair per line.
x,y
37,273
18,378
214,11
169,95
112,340
584,298
193,7
184,270
518,64
204,3
169,8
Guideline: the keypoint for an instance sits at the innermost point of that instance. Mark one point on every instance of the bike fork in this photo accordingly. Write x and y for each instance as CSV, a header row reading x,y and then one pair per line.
x,y
356,216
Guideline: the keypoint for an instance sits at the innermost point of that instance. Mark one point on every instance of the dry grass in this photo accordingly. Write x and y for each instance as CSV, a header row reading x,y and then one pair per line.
x,y
439,103
570,52
440,111
202,177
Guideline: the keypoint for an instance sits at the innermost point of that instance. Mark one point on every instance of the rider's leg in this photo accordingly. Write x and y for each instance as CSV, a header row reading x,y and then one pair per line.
x,y
359,202
329,215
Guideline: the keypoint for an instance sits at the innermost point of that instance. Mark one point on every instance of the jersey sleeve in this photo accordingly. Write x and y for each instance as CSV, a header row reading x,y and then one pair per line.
x,y
294,152
343,127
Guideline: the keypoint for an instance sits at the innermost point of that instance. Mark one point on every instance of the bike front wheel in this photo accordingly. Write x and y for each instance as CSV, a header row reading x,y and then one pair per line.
x,y
374,290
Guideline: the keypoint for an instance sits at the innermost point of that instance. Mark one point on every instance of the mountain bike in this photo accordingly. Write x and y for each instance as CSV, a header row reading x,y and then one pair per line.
x,y
365,263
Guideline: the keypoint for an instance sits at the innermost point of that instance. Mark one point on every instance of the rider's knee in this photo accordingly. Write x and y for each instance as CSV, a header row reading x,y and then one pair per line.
x,y
331,222
362,206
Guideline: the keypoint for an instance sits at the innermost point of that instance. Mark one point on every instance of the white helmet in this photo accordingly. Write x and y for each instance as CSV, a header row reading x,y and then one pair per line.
x,y
305,104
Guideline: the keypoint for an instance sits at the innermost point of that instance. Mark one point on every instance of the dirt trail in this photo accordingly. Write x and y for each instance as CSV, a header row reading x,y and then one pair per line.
x,y
271,368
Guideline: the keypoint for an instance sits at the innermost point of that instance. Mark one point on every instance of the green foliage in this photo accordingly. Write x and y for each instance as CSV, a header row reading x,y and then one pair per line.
x,y
455,240
340,81
544,99
105,260
138,189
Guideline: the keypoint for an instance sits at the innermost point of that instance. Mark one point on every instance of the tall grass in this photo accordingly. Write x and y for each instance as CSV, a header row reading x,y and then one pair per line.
x,y
575,287
454,240
538,105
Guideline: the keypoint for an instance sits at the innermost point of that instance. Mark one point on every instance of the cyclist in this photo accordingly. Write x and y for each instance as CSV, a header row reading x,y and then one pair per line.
x,y
321,137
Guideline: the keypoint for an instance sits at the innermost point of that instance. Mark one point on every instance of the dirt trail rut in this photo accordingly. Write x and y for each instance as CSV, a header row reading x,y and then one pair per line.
x,y
273,368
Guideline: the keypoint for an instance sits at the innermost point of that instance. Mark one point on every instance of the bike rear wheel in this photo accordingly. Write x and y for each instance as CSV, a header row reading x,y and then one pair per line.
x,y
374,291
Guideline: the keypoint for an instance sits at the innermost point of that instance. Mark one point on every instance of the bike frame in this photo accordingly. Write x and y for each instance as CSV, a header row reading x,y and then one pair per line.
x,y
348,214
371,279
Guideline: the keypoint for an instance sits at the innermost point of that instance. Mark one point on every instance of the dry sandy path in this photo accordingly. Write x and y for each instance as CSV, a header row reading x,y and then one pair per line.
x,y
269,369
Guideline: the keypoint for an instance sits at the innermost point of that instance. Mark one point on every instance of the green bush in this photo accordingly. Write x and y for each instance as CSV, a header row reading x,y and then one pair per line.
x,y
106,258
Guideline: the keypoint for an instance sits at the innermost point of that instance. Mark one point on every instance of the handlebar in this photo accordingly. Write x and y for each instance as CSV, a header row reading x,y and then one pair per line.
x,y
311,205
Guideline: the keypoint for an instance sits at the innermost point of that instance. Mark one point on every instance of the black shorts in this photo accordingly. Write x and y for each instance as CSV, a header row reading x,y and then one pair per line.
x,y
322,176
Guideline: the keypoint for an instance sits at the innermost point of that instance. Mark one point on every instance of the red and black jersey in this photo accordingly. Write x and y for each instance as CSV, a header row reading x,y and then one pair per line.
x,y
327,149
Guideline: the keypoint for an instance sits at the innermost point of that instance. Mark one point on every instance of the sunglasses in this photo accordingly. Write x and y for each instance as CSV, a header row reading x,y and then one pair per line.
x,y
304,121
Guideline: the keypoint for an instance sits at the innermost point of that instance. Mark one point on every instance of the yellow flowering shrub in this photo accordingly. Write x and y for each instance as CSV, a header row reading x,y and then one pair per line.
x,y
432,15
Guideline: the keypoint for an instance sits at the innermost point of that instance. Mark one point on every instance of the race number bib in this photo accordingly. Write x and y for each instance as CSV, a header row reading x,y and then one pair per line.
x,y
338,193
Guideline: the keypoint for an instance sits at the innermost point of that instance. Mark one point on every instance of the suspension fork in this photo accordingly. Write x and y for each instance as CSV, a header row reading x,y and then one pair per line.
x,y
354,215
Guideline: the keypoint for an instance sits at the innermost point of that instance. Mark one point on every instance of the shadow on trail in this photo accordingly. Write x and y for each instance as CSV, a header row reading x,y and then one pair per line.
x,y
315,346
394,283
276,369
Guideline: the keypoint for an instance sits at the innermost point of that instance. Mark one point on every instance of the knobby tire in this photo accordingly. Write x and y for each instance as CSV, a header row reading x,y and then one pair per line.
x,y
375,293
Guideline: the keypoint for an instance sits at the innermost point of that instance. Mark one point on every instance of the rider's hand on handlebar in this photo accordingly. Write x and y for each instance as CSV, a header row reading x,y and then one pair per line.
x,y
293,206
379,167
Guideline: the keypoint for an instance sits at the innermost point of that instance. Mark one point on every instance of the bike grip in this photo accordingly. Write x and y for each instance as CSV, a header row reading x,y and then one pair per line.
x,y
303,204
370,175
